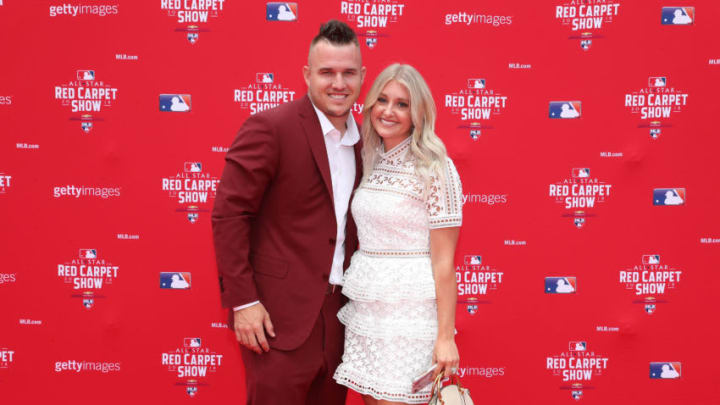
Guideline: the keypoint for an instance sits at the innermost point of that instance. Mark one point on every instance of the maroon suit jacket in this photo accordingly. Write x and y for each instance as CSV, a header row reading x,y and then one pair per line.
x,y
274,222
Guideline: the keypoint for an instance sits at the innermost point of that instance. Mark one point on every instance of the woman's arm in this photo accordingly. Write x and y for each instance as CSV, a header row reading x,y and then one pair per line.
x,y
442,254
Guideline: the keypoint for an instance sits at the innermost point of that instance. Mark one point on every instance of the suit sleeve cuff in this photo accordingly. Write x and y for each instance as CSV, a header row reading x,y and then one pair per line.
x,y
239,307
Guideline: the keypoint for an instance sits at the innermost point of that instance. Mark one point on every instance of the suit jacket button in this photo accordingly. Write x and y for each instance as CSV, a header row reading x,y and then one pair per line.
x,y
326,277
332,241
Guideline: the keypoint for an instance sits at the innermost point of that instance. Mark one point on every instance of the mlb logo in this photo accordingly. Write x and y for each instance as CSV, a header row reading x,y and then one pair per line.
x,y
191,390
577,395
476,83
86,75
192,342
473,260
88,303
650,259
585,45
657,81
88,253
264,77
475,134
650,308
471,304
669,196
281,11
192,167
579,222
193,213
565,109
175,102
192,37
175,280
654,133
665,370
577,346
371,38
580,172
560,285
86,126
88,300
678,15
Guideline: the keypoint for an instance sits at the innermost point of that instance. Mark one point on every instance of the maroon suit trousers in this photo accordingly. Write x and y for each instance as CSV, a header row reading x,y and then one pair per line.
x,y
303,376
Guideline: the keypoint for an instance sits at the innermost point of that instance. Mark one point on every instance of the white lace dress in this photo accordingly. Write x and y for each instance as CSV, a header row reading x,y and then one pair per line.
x,y
391,318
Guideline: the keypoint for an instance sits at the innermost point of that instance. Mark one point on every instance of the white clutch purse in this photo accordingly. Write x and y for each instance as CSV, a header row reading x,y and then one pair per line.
x,y
451,394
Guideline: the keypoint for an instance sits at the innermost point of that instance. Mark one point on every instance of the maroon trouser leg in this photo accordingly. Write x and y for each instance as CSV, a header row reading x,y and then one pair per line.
x,y
302,376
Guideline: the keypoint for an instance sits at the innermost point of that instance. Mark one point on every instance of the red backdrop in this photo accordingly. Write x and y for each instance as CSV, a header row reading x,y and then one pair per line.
x,y
91,215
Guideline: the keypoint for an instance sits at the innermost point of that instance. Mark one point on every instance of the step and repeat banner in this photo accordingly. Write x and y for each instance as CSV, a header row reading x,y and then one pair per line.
x,y
584,132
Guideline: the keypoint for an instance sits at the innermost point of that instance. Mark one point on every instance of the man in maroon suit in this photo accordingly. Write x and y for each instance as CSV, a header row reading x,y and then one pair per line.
x,y
283,232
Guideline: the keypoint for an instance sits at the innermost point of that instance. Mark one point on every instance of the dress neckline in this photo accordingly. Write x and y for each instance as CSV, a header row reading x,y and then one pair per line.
x,y
396,150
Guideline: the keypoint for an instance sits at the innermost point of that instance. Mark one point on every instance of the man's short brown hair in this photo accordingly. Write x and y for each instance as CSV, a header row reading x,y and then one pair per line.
x,y
337,33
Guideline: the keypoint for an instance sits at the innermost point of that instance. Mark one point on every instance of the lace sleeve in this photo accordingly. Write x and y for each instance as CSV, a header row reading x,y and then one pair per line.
x,y
444,200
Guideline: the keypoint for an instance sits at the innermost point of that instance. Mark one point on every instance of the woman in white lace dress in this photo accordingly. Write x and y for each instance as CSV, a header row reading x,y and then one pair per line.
x,y
400,319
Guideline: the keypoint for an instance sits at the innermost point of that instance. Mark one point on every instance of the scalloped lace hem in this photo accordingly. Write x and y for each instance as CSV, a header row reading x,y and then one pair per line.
x,y
395,394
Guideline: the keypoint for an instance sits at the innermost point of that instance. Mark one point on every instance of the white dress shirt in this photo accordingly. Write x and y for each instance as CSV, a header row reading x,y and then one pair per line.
x,y
341,157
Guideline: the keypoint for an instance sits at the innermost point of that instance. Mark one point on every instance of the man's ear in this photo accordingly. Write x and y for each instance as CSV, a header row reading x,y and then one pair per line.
x,y
306,75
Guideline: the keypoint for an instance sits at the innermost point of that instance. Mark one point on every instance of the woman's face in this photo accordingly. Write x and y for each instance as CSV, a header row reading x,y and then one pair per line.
x,y
390,116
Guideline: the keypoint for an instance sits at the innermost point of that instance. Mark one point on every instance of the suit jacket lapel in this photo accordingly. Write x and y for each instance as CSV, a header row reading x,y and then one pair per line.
x,y
358,164
314,135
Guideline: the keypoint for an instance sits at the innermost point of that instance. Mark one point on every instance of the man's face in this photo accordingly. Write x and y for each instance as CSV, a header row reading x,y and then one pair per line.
x,y
334,76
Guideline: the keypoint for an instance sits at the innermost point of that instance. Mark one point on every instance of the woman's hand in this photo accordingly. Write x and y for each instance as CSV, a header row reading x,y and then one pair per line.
x,y
446,356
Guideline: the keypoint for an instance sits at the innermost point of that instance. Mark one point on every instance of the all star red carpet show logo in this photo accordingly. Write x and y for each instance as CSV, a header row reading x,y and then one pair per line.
x,y
579,193
371,17
87,96
90,273
191,363
650,279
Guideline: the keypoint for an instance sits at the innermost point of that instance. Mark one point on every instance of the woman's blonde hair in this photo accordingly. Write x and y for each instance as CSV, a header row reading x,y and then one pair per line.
x,y
428,150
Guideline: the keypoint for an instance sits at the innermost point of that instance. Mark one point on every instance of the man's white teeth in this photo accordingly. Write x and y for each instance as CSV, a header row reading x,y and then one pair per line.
x,y
338,96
